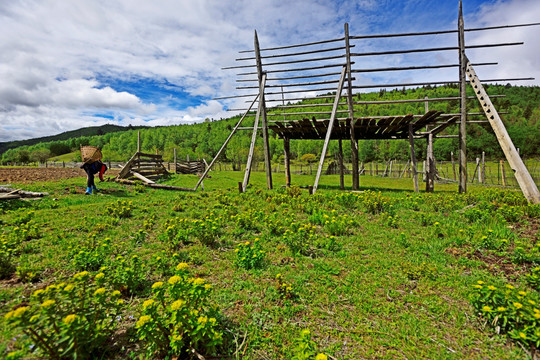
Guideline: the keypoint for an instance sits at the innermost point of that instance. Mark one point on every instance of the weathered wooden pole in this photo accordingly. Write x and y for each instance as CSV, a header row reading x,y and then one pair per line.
x,y
523,177
483,167
340,161
175,162
138,141
352,121
413,159
266,146
430,165
287,160
463,104
503,173
453,164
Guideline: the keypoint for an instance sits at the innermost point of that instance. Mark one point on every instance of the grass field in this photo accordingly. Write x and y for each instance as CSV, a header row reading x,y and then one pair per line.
x,y
382,273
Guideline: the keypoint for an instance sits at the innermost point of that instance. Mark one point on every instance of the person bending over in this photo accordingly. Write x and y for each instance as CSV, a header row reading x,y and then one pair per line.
x,y
96,167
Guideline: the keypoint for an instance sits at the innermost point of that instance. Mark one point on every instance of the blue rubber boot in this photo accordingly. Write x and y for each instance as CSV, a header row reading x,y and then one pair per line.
x,y
95,189
88,191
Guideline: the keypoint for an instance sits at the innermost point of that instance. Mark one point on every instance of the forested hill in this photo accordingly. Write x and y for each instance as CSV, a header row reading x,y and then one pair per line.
x,y
519,108
68,135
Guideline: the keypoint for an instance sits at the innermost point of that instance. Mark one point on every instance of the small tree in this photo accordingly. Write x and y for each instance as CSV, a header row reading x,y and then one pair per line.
x,y
308,158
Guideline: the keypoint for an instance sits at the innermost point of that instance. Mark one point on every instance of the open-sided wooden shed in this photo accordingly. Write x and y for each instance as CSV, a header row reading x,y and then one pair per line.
x,y
326,70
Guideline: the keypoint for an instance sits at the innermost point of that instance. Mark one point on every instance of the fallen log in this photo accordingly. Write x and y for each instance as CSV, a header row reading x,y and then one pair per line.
x,y
21,193
154,185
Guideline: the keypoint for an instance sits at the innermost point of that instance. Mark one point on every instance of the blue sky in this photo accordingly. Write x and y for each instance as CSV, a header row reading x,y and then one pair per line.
x,y
70,64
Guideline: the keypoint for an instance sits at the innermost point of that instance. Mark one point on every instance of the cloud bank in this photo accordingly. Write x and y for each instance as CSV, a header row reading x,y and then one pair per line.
x,y
70,64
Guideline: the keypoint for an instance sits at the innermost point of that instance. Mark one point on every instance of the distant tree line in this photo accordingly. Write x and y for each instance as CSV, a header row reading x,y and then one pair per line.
x,y
520,109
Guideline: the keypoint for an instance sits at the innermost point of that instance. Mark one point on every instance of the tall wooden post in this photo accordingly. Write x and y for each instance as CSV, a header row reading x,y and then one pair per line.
x,y
175,162
267,159
340,161
352,121
287,160
430,165
138,141
483,167
463,104
413,159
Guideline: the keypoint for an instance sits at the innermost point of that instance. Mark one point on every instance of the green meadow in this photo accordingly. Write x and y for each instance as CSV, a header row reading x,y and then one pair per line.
x,y
380,273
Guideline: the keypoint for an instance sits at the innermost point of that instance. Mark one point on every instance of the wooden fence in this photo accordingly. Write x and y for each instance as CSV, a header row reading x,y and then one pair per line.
x,y
488,172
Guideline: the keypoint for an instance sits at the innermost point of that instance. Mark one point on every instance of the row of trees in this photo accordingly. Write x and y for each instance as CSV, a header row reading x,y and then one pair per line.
x,y
520,108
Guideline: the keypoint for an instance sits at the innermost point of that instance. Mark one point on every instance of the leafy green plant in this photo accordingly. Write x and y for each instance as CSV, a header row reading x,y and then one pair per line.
x,y
304,348
126,274
419,271
249,255
69,320
300,239
179,317
7,250
375,203
284,289
510,310
93,256
533,278
120,209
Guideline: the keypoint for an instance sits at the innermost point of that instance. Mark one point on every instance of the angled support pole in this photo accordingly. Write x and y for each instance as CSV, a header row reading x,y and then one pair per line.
x,y
266,146
330,127
523,177
224,145
254,136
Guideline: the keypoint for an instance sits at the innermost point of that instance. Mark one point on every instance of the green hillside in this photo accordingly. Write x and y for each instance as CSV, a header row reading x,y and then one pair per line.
x,y
68,135
519,107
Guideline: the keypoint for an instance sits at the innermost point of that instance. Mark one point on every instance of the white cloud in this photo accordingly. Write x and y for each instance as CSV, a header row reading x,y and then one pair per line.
x,y
53,54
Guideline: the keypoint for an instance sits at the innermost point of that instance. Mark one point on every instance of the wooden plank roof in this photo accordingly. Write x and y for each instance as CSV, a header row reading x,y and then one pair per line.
x,y
384,127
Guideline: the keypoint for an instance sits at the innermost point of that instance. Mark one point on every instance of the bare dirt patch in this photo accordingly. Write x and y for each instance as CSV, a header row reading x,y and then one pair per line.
x,y
29,175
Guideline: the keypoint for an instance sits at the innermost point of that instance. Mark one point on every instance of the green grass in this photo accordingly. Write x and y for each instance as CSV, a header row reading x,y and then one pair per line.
x,y
395,285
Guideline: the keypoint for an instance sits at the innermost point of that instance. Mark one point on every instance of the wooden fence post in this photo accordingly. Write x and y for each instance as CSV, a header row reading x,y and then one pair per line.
x,y
503,174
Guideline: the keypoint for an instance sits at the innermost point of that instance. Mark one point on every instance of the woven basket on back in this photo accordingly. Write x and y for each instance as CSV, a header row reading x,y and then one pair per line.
x,y
90,154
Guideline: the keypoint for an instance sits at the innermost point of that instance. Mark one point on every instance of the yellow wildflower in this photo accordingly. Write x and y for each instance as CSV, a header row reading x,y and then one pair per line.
x,y
182,266
492,288
157,285
177,304
518,305
69,319
321,357
100,276
48,303
174,279
20,311
199,281
148,303
143,320
99,291
486,309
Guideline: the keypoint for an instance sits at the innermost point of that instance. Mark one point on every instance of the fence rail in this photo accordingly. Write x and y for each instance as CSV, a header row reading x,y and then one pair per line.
x,y
489,172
